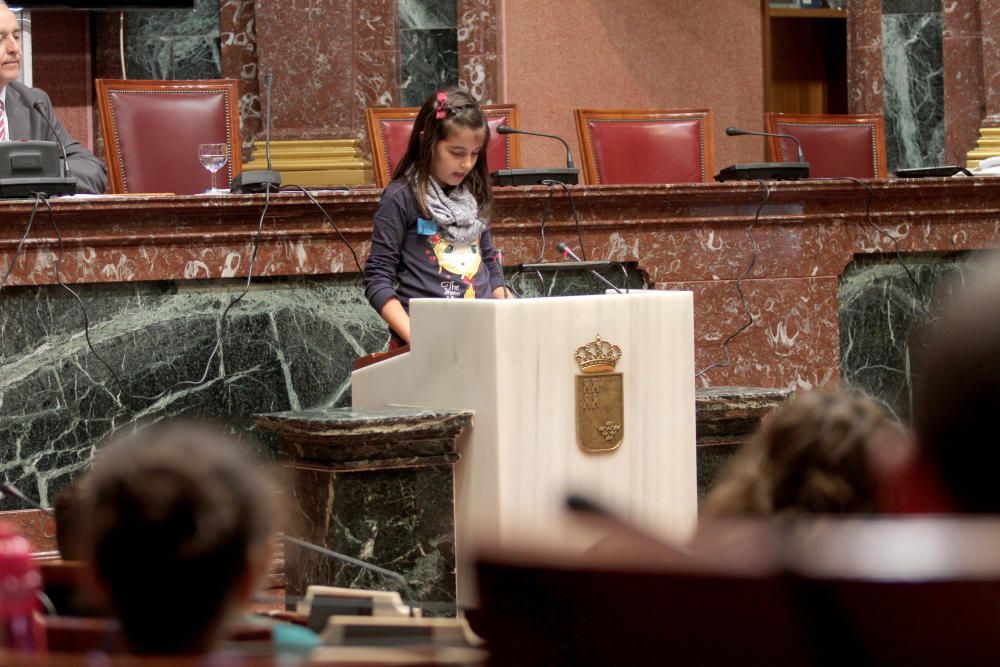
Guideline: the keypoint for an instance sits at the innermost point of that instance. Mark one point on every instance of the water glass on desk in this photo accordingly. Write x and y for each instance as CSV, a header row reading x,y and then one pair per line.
x,y
214,158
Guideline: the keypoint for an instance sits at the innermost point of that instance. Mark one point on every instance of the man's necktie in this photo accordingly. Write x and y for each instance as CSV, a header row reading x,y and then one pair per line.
x,y
4,135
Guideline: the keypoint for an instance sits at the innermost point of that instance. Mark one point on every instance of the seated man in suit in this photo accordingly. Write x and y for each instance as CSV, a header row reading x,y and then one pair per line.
x,y
23,108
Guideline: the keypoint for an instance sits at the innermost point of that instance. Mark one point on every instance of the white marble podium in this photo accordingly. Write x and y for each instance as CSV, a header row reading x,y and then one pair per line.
x,y
513,363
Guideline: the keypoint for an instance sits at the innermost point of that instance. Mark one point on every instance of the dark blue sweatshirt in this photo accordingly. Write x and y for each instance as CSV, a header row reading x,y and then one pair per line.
x,y
410,260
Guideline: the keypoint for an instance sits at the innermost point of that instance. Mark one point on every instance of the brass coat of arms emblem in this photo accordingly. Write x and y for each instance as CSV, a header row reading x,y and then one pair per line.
x,y
600,400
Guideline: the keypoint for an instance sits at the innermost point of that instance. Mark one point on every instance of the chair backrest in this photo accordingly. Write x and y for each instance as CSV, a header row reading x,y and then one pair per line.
x,y
634,614
896,591
152,130
833,145
389,132
631,146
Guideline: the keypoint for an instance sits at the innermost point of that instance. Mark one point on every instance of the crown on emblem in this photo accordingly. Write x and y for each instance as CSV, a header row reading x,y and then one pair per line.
x,y
598,356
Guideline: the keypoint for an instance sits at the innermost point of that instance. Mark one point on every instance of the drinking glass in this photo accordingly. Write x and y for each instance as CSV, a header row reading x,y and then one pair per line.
x,y
214,158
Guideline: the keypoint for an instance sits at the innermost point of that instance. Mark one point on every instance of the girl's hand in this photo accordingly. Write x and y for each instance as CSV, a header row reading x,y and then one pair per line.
x,y
503,293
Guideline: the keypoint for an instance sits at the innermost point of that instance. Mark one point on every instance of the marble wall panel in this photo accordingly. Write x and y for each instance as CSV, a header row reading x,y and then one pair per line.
x,y
964,99
238,45
107,63
175,44
795,323
865,81
402,519
61,66
428,45
914,85
426,14
884,304
376,60
478,48
289,344
309,49
989,16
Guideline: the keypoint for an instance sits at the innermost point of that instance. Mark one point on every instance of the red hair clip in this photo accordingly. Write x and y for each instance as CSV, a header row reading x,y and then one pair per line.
x,y
442,100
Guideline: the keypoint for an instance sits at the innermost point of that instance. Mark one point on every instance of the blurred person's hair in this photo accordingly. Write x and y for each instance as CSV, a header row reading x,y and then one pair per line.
x,y
181,520
957,398
813,455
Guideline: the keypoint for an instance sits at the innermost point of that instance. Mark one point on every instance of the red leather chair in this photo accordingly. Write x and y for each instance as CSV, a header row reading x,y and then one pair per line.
x,y
833,145
629,146
152,130
389,132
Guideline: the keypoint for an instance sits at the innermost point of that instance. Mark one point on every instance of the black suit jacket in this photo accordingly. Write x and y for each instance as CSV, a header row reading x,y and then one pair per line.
x,y
26,123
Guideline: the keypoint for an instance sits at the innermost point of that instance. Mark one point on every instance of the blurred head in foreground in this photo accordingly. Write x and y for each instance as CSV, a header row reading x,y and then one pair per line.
x,y
820,453
957,403
180,524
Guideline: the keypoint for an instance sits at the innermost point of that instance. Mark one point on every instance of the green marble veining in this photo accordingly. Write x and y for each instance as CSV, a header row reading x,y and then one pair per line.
x,y
882,311
289,344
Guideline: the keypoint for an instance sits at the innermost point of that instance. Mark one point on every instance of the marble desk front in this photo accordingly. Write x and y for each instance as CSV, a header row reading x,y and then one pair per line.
x,y
680,236
830,301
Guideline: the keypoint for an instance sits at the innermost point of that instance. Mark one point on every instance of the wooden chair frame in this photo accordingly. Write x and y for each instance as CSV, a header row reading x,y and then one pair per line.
x,y
380,156
112,154
876,121
589,159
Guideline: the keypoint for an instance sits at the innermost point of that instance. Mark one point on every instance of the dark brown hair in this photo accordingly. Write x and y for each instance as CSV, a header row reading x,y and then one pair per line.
x,y
177,514
460,110
812,455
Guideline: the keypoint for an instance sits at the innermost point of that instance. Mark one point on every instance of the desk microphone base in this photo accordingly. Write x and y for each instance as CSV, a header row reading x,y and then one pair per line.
x,y
255,181
764,171
25,188
535,176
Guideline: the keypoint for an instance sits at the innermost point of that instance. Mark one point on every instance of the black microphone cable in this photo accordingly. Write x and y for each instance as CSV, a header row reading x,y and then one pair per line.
x,y
222,319
329,221
895,242
24,237
546,213
576,215
754,250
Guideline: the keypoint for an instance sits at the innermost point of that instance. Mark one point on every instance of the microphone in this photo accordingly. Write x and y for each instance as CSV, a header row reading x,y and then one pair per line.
x,y
9,489
260,180
268,80
568,252
506,129
388,574
498,258
39,106
736,132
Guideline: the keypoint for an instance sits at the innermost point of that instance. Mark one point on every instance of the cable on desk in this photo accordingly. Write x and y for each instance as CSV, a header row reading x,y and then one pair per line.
x,y
329,221
895,242
576,215
222,320
24,237
754,250
541,221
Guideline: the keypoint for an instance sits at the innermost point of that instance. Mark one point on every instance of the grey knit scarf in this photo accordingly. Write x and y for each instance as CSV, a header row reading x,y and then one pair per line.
x,y
456,213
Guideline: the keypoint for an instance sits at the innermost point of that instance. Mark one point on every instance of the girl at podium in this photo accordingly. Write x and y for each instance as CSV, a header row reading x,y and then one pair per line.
x,y
430,236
